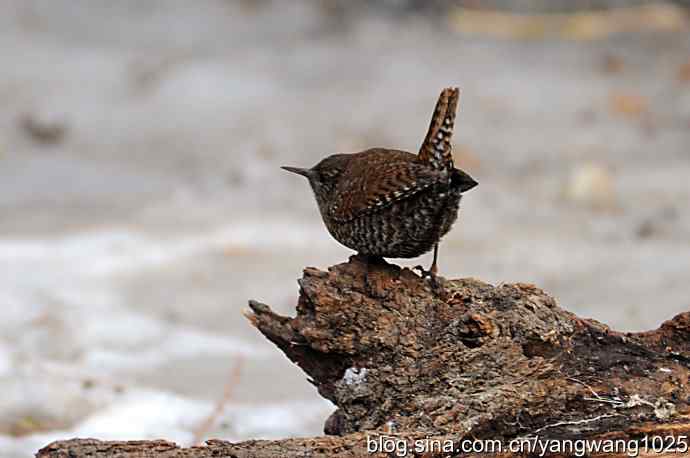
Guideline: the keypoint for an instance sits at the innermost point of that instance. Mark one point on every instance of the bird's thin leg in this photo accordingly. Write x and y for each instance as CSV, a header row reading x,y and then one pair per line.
x,y
434,267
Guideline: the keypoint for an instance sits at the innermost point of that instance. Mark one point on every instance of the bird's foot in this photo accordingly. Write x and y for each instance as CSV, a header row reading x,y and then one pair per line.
x,y
378,274
431,273
425,273
435,280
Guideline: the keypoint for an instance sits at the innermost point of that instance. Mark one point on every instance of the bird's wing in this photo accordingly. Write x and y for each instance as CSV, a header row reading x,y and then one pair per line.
x,y
369,189
436,149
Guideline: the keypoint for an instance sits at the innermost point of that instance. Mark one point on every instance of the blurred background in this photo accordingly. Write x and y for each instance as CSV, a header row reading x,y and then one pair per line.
x,y
142,204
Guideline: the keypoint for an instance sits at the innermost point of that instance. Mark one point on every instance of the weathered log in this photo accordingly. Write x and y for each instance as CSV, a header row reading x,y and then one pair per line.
x,y
409,360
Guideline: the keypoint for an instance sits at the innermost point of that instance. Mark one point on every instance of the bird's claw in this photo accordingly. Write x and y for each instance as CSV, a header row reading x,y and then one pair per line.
x,y
433,277
424,273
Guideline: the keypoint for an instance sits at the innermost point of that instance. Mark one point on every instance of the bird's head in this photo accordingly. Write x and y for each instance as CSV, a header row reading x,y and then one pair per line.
x,y
324,176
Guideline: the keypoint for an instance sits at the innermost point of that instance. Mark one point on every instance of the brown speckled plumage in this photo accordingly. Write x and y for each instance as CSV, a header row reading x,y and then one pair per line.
x,y
391,203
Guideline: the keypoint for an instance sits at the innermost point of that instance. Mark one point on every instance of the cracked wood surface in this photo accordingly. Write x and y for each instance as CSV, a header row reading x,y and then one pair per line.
x,y
462,360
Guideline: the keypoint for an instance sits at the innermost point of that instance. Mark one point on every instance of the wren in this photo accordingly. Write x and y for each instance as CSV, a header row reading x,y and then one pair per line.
x,y
387,203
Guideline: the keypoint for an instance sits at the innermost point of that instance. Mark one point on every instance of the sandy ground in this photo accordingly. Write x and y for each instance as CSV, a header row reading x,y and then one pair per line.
x,y
141,203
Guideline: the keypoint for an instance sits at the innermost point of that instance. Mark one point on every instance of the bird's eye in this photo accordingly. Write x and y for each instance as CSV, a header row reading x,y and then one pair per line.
x,y
329,174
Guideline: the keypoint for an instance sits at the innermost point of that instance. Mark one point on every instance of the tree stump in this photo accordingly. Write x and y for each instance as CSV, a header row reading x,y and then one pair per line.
x,y
420,368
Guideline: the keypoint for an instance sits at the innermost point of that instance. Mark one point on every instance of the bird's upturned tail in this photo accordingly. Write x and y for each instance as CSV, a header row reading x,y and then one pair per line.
x,y
436,148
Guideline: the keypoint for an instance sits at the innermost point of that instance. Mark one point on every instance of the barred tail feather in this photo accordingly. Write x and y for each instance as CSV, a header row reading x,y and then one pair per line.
x,y
436,148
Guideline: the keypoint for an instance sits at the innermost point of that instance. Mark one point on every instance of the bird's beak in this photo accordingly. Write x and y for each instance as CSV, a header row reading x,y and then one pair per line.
x,y
298,171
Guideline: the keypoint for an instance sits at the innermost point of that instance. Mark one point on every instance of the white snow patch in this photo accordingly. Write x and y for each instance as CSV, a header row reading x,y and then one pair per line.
x,y
145,414
115,251
273,421
178,343
354,375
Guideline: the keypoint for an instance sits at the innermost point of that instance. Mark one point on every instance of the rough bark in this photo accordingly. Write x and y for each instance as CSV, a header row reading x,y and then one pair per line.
x,y
462,359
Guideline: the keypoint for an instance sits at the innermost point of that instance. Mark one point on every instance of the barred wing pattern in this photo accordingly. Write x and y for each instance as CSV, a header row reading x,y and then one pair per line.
x,y
379,179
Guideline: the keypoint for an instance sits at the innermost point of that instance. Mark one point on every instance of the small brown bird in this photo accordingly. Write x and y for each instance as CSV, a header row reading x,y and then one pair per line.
x,y
389,203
